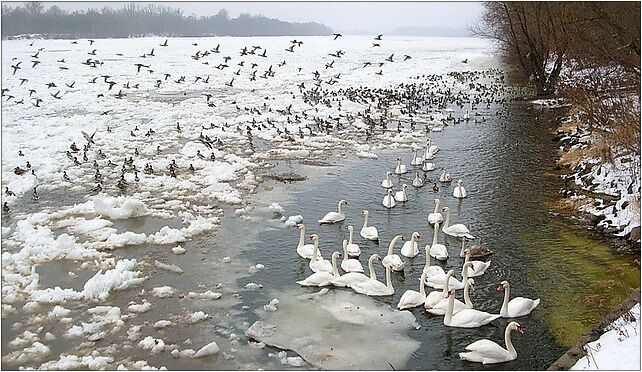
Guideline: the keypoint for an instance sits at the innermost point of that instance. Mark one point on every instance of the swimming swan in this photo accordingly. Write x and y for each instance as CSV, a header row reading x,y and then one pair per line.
x,y
435,216
438,251
375,287
409,248
334,217
387,183
488,352
305,250
402,196
348,279
457,230
401,168
441,306
417,182
460,192
322,278
391,260
518,306
466,318
317,264
353,249
479,267
368,232
410,298
388,200
350,264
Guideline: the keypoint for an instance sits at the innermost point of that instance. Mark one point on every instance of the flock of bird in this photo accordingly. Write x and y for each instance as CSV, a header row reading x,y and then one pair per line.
x,y
442,300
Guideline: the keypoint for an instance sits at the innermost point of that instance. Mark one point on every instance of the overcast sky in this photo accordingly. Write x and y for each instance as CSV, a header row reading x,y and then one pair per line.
x,y
340,16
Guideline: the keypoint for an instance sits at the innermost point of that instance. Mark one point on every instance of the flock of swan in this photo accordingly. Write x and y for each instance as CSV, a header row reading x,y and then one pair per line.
x,y
441,301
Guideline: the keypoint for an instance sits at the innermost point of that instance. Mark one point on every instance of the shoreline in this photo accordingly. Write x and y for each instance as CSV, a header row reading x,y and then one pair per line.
x,y
576,352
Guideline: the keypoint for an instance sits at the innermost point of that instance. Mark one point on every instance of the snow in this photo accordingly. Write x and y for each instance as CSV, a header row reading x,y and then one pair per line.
x,y
616,349
276,208
163,292
272,305
294,220
119,208
207,350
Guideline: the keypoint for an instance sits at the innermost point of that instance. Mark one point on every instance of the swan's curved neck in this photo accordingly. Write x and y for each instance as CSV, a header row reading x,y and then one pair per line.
x,y
448,276
464,271
467,301
463,248
373,273
504,309
509,343
335,271
316,249
437,206
351,232
365,221
447,222
388,278
345,251
427,257
435,235
422,289
340,208
449,310
392,244
302,236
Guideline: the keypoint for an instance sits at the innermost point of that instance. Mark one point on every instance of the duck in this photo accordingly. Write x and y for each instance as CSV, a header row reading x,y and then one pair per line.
x,y
388,200
353,249
457,230
435,188
393,261
409,248
434,297
410,298
488,352
466,318
368,232
334,217
445,176
350,265
402,196
305,250
387,183
318,264
401,168
375,287
427,166
349,278
518,306
479,267
438,251
416,160
435,216
460,192
417,182
441,307
322,278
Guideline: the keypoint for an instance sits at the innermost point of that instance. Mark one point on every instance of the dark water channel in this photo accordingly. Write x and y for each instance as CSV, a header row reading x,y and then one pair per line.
x,y
507,164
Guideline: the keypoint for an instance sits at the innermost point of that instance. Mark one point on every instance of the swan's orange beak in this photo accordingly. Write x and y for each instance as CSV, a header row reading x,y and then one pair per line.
x,y
520,330
500,288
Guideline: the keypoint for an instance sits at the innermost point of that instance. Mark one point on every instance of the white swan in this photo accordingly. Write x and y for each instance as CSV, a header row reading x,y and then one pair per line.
x,y
457,230
322,278
488,352
518,306
353,249
441,306
388,200
417,182
305,250
445,176
431,270
431,150
416,160
391,260
334,217
434,297
368,232
401,168
375,287
437,281
427,166
387,183
466,116
479,267
466,318
410,248
350,265
438,251
410,298
402,196
460,192
318,264
348,279
435,216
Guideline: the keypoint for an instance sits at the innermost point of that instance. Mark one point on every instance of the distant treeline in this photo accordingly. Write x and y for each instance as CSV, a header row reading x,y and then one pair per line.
x,y
136,20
